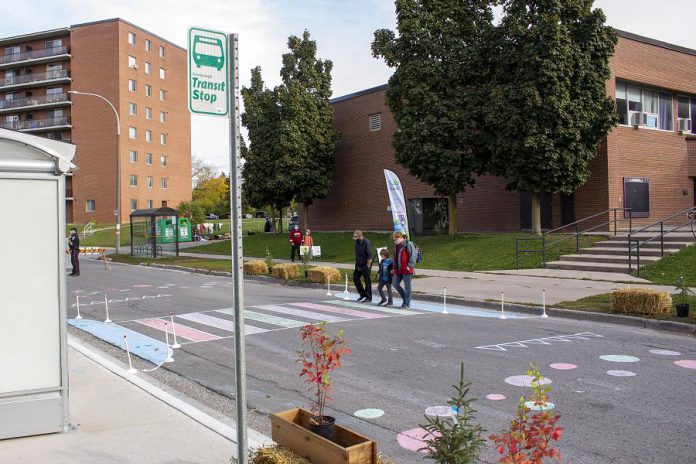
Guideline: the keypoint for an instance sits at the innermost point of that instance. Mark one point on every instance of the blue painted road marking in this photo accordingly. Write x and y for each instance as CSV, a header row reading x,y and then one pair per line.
x,y
140,345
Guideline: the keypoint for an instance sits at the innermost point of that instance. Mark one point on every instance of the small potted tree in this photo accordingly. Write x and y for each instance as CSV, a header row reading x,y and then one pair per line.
x,y
312,434
682,298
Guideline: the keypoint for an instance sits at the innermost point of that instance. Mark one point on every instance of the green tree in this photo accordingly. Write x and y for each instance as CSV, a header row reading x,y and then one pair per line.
x,y
262,173
441,67
191,210
307,139
210,195
549,110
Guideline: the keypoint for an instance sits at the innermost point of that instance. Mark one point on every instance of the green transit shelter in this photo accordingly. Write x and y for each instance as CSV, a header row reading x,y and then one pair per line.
x,y
157,232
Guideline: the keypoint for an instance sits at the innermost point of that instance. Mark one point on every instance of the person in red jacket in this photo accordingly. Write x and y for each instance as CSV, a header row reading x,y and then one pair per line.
x,y
404,262
296,239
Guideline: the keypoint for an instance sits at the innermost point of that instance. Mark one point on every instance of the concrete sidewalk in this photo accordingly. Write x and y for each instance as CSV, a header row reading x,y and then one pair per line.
x,y
119,422
523,287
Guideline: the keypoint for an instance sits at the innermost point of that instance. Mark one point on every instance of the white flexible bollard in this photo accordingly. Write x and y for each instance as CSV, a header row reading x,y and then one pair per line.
x,y
543,304
106,306
444,300
176,344
169,350
131,370
502,306
77,298
328,282
345,292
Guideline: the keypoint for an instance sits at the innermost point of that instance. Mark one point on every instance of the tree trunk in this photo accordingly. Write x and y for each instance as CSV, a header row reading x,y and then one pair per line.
x,y
305,216
280,221
536,213
273,218
452,212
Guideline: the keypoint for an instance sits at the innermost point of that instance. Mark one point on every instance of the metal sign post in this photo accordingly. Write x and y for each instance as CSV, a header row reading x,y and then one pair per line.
x,y
213,77
237,255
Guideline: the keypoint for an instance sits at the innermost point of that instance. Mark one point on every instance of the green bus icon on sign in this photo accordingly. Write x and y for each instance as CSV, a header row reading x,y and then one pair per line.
x,y
209,52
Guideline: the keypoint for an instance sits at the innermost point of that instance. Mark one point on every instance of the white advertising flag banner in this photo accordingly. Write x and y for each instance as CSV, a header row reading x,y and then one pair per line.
x,y
398,202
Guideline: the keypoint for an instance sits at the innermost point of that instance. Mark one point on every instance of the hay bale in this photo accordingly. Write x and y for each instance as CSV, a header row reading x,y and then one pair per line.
x,y
276,455
286,271
321,274
640,301
279,455
255,268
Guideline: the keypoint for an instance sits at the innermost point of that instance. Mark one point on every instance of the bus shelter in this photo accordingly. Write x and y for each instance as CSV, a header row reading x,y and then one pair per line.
x,y
157,232
33,319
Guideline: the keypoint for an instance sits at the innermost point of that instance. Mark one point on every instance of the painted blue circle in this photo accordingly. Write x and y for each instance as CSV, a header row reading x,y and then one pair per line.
x,y
534,407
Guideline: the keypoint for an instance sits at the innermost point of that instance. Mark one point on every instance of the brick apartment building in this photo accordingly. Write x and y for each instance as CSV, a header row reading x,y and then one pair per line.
x,y
647,162
141,74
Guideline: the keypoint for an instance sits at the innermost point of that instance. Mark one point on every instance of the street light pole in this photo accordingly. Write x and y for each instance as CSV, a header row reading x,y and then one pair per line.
x,y
117,211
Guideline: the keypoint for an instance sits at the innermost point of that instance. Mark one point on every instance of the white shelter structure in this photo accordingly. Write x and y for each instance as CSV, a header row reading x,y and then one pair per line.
x,y
33,327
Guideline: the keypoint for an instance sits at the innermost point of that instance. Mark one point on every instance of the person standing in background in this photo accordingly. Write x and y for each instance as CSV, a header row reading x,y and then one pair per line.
x,y
74,247
295,242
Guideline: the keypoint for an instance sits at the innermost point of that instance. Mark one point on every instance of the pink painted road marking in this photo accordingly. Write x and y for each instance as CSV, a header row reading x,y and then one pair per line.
x,y
414,439
181,330
686,363
337,310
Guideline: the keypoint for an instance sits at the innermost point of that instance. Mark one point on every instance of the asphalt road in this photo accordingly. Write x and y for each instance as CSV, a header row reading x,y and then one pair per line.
x,y
613,412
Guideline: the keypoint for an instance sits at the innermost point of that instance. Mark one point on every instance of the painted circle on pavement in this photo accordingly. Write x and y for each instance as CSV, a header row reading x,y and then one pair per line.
x,y
413,440
621,373
369,413
141,286
439,411
619,358
563,366
525,380
666,352
539,407
495,397
686,363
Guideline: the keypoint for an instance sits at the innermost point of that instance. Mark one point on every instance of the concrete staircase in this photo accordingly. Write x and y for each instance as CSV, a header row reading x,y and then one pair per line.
x,y
612,255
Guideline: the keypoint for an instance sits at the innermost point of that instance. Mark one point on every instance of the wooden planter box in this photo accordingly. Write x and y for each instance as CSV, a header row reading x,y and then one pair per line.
x,y
290,431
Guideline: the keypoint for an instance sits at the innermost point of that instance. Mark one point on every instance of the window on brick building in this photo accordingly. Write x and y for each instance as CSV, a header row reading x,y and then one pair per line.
x,y
161,52
131,38
163,139
148,182
163,94
148,68
148,158
148,45
132,109
133,156
163,117
132,62
131,85
163,183
148,136
148,113
163,73
637,196
133,205
90,206
150,204
132,133
148,90
375,122
644,107
686,112
163,160
133,180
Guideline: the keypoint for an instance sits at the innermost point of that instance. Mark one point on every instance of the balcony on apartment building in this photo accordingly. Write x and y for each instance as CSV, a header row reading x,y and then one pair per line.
x,y
37,125
32,57
31,103
34,79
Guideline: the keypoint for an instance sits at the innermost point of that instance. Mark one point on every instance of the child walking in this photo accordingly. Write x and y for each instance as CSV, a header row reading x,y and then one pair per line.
x,y
384,275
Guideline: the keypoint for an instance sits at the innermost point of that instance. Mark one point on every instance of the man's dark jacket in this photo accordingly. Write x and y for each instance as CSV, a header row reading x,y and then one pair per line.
x,y
363,254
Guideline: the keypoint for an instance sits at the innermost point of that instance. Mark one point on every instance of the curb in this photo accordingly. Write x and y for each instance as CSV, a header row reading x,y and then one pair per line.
x,y
653,324
152,387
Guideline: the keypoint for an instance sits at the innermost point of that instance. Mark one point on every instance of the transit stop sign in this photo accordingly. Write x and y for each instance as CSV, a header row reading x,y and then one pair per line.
x,y
208,72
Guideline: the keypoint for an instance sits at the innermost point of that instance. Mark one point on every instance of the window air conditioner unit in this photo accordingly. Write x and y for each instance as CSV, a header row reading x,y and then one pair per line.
x,y
684,125
134,66
639,119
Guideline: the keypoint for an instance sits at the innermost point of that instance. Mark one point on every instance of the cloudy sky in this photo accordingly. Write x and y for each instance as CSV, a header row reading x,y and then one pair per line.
x,y
342,28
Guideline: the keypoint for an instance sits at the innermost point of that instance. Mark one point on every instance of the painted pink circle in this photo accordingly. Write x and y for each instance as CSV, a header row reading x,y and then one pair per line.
x,y
563,366
686,363
495,397
414,439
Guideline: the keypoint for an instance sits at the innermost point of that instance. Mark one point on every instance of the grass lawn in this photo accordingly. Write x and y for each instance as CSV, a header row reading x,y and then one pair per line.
x,y
667,270
466,252
602,304
210,264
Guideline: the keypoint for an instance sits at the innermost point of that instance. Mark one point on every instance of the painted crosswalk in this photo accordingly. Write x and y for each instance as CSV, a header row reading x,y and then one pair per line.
x,y
219,324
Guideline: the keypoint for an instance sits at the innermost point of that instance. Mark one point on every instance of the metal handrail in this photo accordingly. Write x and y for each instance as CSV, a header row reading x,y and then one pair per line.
x,y
35,77
577,233
33,54
660,235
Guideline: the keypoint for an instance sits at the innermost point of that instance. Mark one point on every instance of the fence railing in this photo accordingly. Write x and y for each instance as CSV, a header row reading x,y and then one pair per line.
x,y
574,230
689,213
34,77
33,54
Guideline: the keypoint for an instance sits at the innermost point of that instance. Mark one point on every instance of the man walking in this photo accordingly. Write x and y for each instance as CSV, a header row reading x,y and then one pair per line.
x,y
363,263
74,247
295,242
404,261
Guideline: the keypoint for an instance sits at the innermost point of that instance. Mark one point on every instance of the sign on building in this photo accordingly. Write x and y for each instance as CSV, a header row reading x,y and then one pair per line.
x,y
208,72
